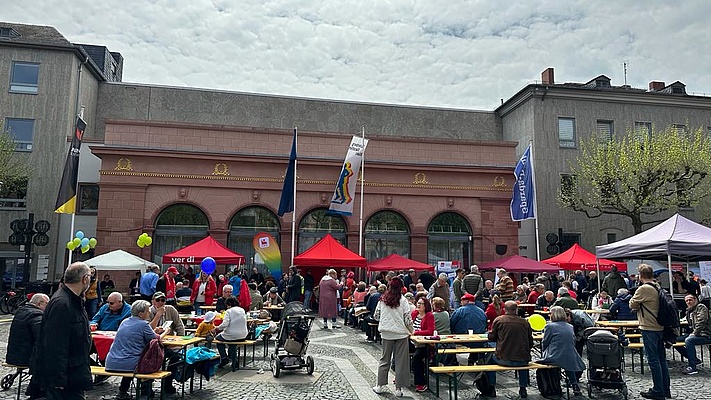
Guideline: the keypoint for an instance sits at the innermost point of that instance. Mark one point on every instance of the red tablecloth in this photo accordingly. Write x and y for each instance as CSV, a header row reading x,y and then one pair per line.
x,y
198,320
102,344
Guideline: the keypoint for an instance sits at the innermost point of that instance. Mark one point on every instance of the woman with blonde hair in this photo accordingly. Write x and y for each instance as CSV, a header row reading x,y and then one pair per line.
x,y
328,298
493,310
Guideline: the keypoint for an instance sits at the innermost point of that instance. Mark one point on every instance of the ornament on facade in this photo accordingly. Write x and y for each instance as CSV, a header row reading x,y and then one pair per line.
x,y
324,198
255,196
420,179
183,193
221,169
389,200
124,164
450,202
499,181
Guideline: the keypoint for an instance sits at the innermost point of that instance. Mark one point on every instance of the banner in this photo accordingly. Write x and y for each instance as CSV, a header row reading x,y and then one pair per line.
x,y
342,201
267,249
286,205
524,198
66,199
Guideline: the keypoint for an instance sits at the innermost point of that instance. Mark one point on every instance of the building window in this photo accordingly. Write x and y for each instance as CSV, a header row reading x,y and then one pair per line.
x,y
177,226
8,33
386,233
88,198
566,132
680,129
611,238
643,130
244,226
25,77
606,130
568,240
316,224
21,130
449,239
13,194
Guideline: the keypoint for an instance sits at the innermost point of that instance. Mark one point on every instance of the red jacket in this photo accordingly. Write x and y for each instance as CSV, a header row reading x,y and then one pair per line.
x,y
427,325
210,291
492,313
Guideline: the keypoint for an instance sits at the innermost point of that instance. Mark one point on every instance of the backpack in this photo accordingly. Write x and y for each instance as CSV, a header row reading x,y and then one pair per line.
x,y
548,381
151,359
668,315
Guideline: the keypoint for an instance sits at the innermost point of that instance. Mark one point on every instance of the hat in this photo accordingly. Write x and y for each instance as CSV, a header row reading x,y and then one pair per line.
x,y
273,290
469,297
158,295
209,316
172,270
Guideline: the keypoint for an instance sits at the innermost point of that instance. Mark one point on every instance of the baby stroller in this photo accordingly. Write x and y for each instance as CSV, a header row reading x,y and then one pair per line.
x,y
292,340
605,367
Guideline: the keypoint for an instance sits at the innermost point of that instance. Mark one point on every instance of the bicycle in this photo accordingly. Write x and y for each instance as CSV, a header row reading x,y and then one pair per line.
x,y
12,300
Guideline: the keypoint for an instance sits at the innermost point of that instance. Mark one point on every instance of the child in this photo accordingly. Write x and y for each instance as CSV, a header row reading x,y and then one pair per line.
x,y
206,326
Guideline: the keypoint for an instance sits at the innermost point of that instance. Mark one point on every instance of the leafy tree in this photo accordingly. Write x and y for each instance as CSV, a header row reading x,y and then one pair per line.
x,y
14,166
639,175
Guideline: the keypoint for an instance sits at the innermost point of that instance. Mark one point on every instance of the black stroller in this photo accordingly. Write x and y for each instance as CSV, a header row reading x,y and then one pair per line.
x,y
292,340
605,365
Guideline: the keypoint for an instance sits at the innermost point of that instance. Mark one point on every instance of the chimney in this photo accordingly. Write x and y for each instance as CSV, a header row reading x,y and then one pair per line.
x,y
655,86
547,77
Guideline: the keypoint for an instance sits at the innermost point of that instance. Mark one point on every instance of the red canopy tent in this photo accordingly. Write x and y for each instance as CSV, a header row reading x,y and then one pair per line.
x,y
396,262
327,252
196,252
517,263
577,257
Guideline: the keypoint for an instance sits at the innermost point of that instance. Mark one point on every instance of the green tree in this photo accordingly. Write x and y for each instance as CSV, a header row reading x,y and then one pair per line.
x,y
639,175
14,166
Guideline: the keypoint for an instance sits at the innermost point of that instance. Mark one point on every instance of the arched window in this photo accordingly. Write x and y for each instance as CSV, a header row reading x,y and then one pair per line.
x,y
386,232
449,239
178,226
316,224
244,225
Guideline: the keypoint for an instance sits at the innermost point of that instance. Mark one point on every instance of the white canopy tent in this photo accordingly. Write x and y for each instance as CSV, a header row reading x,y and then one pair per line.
x,y
677,238
118,260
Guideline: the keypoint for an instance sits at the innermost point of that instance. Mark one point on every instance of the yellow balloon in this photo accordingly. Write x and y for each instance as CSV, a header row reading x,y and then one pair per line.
x,y
148,241
537,322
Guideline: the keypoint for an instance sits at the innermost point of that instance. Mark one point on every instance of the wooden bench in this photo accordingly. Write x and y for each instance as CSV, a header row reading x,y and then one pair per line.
x,y
101,371
373,327
467,350
639,348
236,345
453,371
20,373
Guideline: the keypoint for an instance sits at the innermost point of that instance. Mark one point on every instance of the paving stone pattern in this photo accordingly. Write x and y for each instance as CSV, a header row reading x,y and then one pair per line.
x,y
346,368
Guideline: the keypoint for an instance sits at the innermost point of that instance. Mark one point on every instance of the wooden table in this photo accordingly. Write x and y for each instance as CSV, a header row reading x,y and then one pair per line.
x,y
597,311
272,307
633,324
212,308
182,342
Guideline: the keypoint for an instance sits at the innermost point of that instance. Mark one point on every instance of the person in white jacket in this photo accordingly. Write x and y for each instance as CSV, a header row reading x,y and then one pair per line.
x,y
395,326
233,329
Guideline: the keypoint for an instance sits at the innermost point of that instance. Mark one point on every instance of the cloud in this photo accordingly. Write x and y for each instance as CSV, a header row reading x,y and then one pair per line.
x,y
464,54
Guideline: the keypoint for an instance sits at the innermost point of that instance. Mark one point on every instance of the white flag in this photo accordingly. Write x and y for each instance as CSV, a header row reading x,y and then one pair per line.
x,y
344,195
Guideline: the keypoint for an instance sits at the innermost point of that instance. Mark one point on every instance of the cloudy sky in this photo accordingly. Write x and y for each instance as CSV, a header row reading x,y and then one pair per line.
x,y
456,53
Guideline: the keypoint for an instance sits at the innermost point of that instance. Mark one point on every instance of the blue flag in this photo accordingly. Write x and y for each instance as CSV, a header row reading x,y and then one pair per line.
x,y
524,198
286,205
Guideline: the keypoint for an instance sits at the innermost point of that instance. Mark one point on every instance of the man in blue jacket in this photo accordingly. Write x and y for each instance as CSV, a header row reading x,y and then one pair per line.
x,y
468,317
110,315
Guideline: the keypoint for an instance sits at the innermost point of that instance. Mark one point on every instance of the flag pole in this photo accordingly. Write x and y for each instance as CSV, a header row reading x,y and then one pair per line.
x,y
293,213
362,182
535,203
80,113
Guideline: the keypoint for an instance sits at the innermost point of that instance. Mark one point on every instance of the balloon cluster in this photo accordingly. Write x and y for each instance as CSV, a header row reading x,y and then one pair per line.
x,y
144,240
82,242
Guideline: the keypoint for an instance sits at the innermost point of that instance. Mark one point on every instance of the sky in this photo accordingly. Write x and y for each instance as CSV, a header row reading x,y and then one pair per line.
x,y
466,54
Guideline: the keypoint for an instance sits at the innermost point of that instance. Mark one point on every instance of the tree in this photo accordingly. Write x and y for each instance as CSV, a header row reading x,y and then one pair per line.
x,y
14,166
639,174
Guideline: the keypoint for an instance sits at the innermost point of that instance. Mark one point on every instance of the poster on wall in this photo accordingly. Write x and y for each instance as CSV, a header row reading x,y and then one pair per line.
x,y
448,267
705,270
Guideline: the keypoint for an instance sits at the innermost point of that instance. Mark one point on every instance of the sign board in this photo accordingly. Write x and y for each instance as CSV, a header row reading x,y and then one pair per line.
x,y
42,267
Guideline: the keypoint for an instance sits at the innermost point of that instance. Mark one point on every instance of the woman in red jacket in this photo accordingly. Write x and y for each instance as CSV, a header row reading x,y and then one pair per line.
x,y
204,290
424,324
493,310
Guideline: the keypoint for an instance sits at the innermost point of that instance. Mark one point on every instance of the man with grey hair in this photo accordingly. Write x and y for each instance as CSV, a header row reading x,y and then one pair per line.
x,y
61,357
473,284
25,330
440,288
111,313
564,300
226,293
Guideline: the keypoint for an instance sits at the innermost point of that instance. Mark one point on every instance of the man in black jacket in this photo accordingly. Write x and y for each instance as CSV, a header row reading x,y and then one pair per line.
x,y
293,291
61,357
24,333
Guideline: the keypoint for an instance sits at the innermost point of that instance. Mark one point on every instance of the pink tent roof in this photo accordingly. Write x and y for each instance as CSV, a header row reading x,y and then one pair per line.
x,y
517,263
196,252
577,257
396,262
327,252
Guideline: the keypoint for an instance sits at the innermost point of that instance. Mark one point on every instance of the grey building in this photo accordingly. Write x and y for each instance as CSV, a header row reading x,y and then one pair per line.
x,y
45,81
556,116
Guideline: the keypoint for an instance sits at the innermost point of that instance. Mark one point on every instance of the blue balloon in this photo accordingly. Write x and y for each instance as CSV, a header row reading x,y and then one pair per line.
x,y
208,265
79,234
84,242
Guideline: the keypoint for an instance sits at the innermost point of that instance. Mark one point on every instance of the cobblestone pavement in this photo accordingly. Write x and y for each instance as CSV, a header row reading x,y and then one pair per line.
x,y
346,367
